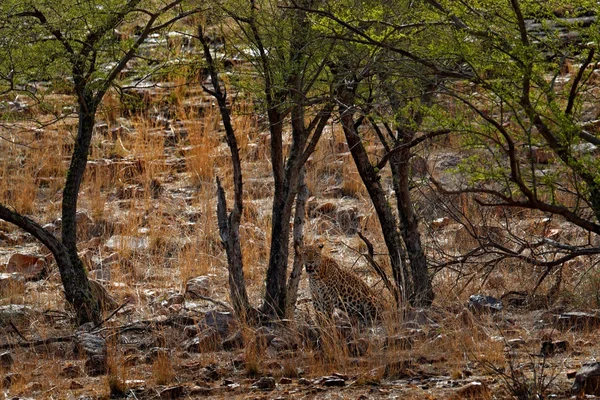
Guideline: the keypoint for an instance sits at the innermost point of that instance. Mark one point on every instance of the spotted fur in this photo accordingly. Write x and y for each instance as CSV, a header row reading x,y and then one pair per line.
x,y
334,287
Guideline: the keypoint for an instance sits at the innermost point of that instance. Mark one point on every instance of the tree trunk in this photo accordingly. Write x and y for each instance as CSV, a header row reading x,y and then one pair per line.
x,y
229,232
299,219
372,182
422,295
229,225
74,278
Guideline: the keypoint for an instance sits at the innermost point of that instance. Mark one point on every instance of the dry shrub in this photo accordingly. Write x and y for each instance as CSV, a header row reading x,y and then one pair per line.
x,y
162,369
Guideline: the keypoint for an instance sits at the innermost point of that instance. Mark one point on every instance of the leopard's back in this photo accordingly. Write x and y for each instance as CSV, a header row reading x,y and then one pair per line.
x,y
335,287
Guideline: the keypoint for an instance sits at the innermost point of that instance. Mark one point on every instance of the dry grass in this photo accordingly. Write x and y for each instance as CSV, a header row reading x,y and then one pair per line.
x,y
163,195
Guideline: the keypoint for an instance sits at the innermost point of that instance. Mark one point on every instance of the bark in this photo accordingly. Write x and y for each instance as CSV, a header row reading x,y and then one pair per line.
x,y
229,226
229,232
286,171
378,197
422,295
298,234
74,278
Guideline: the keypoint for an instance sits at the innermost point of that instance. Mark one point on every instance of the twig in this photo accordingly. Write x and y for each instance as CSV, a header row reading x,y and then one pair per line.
x,y
370,258
34,343
99,324
217,302
16,330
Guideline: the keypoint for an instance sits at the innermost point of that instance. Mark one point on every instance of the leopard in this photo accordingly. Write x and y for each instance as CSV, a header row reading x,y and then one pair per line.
x,y
332,286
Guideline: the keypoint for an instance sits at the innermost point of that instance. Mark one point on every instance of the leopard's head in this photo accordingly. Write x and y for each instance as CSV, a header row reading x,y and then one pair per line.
x,y
311,257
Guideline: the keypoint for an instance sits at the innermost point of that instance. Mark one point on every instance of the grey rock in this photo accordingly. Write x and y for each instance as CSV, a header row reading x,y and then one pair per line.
x,y
6,361
482,303
266,383
587,380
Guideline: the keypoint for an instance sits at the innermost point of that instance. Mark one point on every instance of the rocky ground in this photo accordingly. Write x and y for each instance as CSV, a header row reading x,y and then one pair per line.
x,y
148,234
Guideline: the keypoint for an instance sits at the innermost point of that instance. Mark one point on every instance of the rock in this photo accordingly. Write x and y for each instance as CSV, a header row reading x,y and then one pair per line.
x,y
208,341
540,155
440,223
482,303
234,341
156,352
210,373
34,387
94,348
71,371
550,348
473,390
10,379
266,383
6,361
15,312
348,219
332,381
578,320
198,286
285,381
11,283
224,322
131,243
587,380
74,385
515,343
173,392
32,267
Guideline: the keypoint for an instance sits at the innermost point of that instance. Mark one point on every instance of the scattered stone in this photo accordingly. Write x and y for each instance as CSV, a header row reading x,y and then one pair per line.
x,y
587,380
197,286
33,387
11,283
199,391
209,340
224,322
6,361
285,381
304,382
75,385
10,379
482,303
71,371
173,392
234,341
131,243
94,347
550,348
578,320
32,267
473,390
155,353
15,312
266,383
333,381
515,343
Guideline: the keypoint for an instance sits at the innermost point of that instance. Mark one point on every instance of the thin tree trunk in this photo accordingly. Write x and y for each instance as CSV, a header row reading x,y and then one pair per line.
x,y
422,295
74,278
372,183
229,226
298,233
